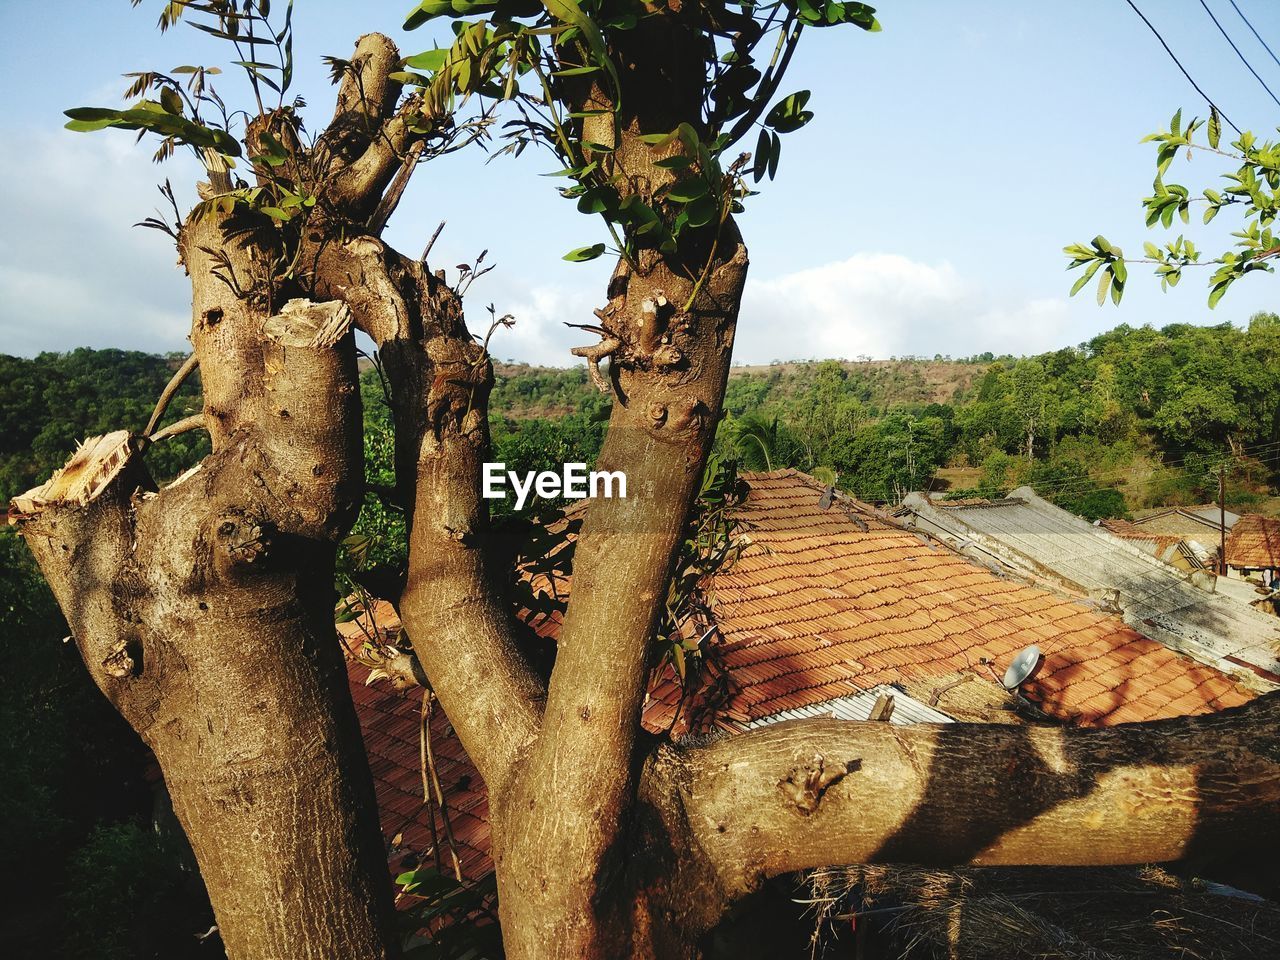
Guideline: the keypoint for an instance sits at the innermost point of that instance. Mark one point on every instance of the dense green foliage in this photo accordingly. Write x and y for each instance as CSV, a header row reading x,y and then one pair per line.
x,y
95,881
1151,411
50,403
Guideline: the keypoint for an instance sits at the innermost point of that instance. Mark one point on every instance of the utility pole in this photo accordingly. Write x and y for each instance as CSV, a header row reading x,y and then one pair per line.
x,y
1222,519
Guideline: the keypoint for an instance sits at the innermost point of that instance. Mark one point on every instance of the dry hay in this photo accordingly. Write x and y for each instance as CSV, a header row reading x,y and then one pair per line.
x,y
1041,914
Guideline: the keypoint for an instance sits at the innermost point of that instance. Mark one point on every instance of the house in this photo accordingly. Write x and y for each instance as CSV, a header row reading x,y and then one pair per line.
x,y
1202,523
1022,532
832,608
1253,546
1188,555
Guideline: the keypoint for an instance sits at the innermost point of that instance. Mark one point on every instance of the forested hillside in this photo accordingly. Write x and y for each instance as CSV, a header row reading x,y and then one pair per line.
x,y
49,403
1134,418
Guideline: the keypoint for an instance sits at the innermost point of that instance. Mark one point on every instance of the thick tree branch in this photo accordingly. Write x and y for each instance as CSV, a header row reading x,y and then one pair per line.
x,y
670,369
367,96
359,187
826,792
454,606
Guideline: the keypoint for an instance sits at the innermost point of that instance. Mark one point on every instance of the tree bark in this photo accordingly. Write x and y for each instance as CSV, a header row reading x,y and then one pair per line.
x,y
204,612
670,322
722,817
454,605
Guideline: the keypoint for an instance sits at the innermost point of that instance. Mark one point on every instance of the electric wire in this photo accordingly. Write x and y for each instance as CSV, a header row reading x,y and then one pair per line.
x,y
1254,32
1084,483
1174,57
1226,36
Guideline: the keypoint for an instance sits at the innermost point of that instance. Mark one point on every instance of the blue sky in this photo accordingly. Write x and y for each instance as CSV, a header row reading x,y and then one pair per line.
x,y
922,212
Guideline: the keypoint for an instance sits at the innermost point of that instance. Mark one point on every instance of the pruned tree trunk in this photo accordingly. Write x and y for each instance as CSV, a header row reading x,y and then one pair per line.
x,y
204,612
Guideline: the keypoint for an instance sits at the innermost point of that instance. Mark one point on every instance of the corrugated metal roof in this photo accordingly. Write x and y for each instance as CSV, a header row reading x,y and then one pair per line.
x,y
906,709
1208,514
1041,539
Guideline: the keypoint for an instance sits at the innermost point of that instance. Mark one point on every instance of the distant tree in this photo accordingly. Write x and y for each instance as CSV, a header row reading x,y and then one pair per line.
x,y
1030,400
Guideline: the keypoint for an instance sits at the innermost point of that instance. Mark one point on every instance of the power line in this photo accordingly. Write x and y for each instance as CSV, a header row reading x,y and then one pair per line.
x,y
1254,32
1173,56
1254,453
1226,36
1068,488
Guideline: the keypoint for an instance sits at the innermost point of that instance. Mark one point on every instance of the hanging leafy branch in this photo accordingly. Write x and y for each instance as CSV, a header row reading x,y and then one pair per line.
x,y
714,539
557,63
1254,188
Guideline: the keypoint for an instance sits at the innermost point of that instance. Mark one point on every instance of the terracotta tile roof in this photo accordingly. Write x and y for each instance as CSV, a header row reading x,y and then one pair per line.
x,y
824,604
1254,542
1128,530
829,602
392,721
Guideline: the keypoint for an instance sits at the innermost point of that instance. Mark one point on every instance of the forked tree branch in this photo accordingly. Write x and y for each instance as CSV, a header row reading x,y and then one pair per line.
x,y
171,388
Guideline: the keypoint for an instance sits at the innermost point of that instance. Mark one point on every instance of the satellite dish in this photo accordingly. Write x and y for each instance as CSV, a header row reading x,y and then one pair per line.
x,y
1022,668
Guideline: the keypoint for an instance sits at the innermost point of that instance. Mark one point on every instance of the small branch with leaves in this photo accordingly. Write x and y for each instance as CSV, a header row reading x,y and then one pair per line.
x,y
1253,188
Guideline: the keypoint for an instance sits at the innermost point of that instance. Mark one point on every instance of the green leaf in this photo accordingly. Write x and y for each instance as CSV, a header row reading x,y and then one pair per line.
x,y
171,100
1104,286
1086,277
1216,293
598,200
703,211
576,71
760,163
427,10
675,162
92,113
569,12
431,60
788,114
688,137
688,190
583,254
87,126
1215,127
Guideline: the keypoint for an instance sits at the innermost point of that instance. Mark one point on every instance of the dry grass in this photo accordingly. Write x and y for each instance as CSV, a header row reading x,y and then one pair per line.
x,y
1041,914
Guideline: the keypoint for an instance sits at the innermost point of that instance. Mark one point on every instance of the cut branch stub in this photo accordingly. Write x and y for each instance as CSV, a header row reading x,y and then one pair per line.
x,y
806,782
90,470
302,323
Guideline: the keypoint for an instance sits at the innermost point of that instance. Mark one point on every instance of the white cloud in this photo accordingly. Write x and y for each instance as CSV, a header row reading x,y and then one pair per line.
x,y
74,271
886,305
541,311
876,304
